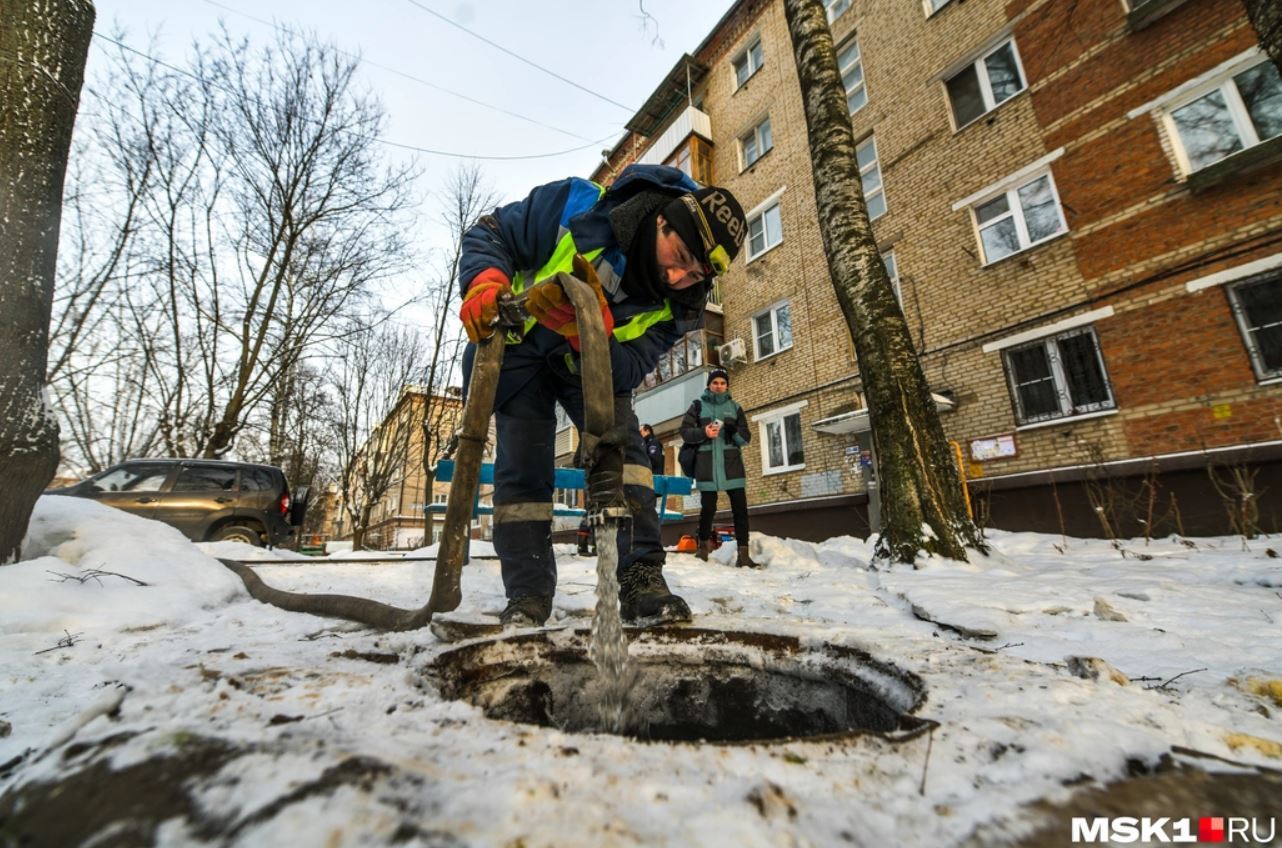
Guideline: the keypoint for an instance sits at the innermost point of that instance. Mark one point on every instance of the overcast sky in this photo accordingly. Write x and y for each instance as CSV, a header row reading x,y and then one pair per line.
x,y
603,46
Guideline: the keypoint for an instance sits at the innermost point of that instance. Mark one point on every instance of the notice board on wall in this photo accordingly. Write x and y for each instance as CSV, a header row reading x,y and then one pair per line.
x,y
993,447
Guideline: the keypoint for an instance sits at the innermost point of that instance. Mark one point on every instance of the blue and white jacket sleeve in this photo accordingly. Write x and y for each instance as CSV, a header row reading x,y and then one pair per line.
x,y
519,235
632,360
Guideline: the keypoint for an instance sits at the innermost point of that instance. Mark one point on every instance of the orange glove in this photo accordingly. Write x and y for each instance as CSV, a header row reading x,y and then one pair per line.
x,y
481,304
551,308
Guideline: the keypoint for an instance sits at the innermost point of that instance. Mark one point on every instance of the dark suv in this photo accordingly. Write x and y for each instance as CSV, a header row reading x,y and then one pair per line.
x,y
208,500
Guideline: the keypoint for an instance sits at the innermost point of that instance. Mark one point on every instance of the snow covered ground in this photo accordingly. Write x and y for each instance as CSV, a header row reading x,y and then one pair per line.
x,y
185,702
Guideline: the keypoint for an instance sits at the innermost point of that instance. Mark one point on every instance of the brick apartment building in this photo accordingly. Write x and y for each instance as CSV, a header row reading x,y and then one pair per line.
x,y
1081,206
397,522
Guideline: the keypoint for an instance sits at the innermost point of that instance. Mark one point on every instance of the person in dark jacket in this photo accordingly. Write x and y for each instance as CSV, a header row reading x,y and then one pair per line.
x,y
717,424
650,245
653,449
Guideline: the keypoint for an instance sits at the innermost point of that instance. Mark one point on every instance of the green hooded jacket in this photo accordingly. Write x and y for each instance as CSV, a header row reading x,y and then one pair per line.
x,y
719,463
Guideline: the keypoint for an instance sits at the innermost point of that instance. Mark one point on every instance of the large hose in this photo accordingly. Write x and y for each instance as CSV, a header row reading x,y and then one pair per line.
x,y
446,592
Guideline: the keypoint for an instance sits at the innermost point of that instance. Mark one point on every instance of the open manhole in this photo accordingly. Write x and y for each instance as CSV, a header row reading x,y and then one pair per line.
x,y
693,685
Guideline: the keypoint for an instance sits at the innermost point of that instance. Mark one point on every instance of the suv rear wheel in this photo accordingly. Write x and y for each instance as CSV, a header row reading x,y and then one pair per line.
x,y
238,533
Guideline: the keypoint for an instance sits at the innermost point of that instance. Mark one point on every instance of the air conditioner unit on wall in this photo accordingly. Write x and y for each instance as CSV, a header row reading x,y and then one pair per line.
x,y
732,353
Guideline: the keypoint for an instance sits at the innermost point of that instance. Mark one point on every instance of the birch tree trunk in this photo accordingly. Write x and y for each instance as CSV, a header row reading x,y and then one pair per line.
x,y
43,45
923,508
1266,17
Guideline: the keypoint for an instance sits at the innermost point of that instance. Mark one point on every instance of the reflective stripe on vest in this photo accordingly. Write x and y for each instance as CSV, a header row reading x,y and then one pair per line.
x,y
562,259
635,327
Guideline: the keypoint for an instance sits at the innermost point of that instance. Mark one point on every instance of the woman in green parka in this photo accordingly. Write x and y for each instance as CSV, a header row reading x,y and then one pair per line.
x,y
717,425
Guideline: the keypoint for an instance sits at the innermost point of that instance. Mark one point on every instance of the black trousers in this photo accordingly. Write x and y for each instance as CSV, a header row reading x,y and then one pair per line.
x,y
533,380
738,506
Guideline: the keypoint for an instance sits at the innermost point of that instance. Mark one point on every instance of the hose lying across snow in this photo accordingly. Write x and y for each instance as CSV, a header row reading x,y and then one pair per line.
x,y
373,614
599,399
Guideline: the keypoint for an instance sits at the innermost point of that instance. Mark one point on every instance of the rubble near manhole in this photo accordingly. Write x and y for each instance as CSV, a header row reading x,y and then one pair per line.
x,y
694,685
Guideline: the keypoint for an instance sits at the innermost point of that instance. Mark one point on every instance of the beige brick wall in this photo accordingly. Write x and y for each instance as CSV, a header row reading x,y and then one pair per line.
x,y
1135,234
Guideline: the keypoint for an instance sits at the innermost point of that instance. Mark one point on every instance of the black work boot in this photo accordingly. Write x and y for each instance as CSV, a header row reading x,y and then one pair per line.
x,y
527,611
646,600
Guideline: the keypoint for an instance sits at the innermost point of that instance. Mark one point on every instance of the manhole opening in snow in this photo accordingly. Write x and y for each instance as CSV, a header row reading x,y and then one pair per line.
x,y
692,685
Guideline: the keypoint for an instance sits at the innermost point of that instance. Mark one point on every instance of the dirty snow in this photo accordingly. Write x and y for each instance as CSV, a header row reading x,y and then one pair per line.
x,y
191,655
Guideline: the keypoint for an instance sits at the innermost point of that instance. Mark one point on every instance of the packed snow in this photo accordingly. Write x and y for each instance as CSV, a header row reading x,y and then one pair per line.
x,y
1178,639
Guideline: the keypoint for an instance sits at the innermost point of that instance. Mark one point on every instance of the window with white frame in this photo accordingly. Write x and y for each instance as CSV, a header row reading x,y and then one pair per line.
x,y
748,63
1058,377
765,230
772,330
836,8
755,144
892,271
781,448
1019,218
1237,111
870,174
933,6
850,64
1257,304
440,498
985,84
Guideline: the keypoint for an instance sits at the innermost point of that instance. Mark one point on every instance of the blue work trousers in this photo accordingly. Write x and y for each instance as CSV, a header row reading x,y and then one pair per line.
x,y
524,476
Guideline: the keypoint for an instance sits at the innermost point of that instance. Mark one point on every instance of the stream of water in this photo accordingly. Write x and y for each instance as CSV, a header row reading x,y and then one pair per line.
x,y
609,647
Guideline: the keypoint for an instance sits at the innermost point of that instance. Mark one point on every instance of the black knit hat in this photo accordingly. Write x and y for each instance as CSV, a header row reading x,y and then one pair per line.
x,y
718,372
711,223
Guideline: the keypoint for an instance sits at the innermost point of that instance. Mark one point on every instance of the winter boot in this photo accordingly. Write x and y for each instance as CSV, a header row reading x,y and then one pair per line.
x,y
705,548
745,559
646,600
527,611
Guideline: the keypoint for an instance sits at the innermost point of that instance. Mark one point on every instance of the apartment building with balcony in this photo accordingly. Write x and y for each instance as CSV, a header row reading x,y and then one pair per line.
x,y
1081,208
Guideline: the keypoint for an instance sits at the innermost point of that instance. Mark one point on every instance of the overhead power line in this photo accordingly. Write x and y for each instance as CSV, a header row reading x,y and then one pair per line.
x,y
359,58
515,55
590,144
429,150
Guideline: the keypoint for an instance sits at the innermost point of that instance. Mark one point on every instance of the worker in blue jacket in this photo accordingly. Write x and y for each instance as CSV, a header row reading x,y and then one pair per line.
x,y
651,246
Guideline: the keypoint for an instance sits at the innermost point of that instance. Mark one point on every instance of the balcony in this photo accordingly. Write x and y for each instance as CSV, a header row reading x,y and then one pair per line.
x,y
670,389
668,96
697,349
692,121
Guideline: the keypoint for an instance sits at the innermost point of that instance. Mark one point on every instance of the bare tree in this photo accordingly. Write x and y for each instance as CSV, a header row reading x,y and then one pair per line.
x,y
104,404
313,221
98,378
919,482
465,197
297,440
1266,17
43,45
373,421
251,211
